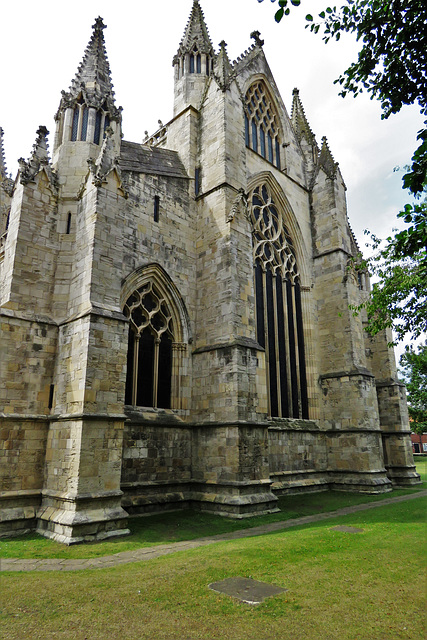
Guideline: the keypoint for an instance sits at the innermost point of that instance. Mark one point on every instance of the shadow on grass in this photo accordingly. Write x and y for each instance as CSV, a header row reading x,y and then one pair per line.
x,y
147,531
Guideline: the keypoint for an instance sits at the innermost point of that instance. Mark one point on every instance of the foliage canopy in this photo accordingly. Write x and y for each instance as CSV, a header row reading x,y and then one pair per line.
x,y
414,369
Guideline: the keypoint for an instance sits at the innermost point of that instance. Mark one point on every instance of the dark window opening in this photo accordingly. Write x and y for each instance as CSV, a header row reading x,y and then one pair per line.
x,y
84,123
97,132
51,392
197,181
261,121
156,208
149,363
75,124
278,306
68,222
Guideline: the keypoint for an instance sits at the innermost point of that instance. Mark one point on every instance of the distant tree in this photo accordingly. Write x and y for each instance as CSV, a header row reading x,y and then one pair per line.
x,y
399,297
391,67
414,370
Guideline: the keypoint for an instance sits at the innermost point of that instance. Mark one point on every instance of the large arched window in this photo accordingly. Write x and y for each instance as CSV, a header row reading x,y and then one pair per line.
x,y
261,123
151,334
278,308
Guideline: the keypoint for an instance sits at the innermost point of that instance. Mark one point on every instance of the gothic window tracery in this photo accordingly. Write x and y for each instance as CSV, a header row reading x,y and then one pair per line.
x,y
279,323
262,123
151,333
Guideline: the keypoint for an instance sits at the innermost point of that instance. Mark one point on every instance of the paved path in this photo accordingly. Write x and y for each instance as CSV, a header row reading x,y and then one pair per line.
x,y
147,553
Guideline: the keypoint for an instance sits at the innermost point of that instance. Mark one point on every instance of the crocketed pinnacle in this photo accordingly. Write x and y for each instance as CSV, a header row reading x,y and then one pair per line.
x,y
223,70
39,159
299,120
196,33
326,160
94,70
3,168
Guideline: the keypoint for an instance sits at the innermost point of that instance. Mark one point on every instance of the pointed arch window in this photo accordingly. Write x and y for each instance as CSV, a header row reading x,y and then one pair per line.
x,y
97,131
263,120
85,114
279,323
75,124
151,335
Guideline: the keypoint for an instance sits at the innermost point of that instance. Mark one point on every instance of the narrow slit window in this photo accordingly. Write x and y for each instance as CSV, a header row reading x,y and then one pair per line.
x,y
156,208
97,132
199,63
51,393
191,62
85,114
68,223
75,124
197,181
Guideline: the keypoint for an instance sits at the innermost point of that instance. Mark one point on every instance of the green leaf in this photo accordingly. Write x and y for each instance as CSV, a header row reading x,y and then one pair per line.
x,y
279,15
309,17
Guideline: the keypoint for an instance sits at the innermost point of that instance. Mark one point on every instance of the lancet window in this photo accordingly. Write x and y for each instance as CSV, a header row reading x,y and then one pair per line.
x,y
86,127
261,124
151,335
279,322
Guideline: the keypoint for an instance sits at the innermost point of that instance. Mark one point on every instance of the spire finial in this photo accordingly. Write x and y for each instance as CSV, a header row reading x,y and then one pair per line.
x,y
196,33
99,25
93,74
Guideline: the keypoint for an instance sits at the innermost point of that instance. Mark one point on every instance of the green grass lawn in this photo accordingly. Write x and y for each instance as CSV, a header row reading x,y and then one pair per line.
x,y
341,586
187,525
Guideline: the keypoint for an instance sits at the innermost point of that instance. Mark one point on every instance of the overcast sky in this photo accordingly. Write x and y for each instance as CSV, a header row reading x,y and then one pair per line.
x,y
42,43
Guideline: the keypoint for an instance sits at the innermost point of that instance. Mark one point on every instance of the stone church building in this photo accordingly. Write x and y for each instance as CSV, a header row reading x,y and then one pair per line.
x,y
175,322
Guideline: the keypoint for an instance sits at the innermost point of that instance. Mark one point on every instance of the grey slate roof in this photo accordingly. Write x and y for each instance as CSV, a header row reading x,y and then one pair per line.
x,y
153,160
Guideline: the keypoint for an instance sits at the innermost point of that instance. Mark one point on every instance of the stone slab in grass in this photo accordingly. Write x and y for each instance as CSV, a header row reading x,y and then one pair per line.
x,y
247,590
345,529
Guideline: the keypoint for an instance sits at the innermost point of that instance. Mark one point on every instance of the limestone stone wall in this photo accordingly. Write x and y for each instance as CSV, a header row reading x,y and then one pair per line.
x,y
22,454
155,454
91,365
31,248
225,383
28,351
83,456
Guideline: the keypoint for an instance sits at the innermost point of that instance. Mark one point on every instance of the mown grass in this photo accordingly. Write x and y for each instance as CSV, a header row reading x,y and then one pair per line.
x,y
341,586
187,525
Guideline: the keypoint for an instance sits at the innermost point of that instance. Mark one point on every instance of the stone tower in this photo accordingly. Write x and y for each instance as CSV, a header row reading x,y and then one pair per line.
x,y
175,314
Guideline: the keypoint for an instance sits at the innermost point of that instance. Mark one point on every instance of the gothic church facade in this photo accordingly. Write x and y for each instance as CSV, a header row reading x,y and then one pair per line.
x,y
175,322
